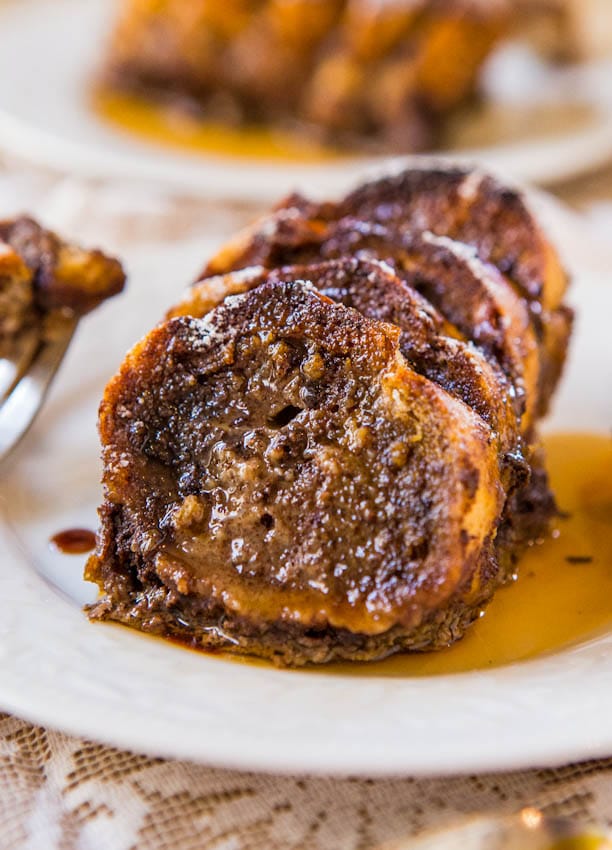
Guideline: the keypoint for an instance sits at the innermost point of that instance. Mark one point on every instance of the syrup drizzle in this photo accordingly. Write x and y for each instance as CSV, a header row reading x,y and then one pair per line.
x,y
74,541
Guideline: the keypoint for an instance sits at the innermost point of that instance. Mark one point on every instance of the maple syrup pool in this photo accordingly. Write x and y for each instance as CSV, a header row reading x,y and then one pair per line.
x,y
175,128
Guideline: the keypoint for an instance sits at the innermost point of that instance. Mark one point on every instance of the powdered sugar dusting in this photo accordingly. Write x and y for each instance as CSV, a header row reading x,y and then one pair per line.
x,y
219,285
270,225
470,185
467,254
384,266
117,461
203,333
245,275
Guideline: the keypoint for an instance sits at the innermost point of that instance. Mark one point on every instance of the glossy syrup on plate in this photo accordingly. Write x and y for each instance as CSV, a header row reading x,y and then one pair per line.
x,y
73,541
179,130
563,594
175,128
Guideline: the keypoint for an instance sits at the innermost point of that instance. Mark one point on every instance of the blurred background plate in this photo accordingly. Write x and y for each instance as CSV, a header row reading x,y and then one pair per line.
x,y
50,51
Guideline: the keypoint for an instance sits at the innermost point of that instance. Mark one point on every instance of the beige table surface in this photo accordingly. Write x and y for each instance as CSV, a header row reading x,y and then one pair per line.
x,y
62,793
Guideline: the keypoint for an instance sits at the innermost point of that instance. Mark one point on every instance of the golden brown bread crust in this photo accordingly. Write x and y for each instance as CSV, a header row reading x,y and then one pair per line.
x,y
43,278
463,203
477,299
340,460
397,219
352,72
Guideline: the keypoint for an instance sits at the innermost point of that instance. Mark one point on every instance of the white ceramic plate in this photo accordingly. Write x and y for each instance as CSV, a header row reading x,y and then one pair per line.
x,y
49,52
117,686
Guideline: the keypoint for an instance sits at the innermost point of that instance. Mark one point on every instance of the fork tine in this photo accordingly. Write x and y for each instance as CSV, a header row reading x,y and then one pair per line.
x,y
22,404
13,367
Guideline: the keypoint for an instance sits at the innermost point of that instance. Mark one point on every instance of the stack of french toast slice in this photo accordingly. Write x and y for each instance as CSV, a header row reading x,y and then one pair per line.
x,y
361,74
329,449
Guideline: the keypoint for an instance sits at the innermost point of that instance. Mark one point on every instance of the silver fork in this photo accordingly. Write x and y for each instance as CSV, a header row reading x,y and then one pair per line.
x,y
25,377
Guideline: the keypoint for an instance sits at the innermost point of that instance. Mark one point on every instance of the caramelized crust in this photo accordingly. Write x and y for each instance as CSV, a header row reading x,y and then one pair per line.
x,y
329,486
43,278
438,226
466,205
474,296
353,72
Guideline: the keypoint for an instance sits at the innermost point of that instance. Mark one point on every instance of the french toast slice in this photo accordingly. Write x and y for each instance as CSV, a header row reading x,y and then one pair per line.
x,y
43,278
279,481
278,452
